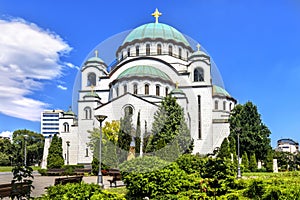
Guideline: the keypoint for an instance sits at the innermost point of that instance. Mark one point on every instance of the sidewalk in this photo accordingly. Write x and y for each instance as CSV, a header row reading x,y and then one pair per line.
x,y
40,182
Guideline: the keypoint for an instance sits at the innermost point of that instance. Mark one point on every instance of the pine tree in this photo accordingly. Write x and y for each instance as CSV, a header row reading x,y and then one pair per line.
x,y
169,125
138,134
245,162
55,156
224,151
269,161
125,133
253,163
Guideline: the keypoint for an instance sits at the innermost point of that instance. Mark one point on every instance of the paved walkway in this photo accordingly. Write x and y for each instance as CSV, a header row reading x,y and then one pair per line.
x,y
40,182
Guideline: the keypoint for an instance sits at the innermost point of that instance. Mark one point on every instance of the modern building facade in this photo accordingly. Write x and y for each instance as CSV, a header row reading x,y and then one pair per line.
x,y
287,145
154,60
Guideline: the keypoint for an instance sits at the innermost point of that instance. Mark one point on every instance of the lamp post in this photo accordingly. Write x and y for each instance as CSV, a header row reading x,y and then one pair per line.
x,y
68,144
25,153
100,118
239,167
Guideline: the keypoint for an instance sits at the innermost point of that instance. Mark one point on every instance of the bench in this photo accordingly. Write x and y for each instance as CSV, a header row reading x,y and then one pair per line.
x,y
53,172
81,171
16,189
70,179
116,177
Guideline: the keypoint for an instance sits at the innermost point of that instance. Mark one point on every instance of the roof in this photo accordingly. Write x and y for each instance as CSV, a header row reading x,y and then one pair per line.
x,y
142,71
154,31
95,59
217,90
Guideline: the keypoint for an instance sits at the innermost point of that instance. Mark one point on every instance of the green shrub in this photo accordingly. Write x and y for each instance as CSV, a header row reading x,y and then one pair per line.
x,y
42,172
232,197
152,177
191,163
69,169
255,190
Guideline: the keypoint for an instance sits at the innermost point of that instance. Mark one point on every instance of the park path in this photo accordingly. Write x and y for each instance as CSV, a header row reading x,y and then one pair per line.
x,y
40,182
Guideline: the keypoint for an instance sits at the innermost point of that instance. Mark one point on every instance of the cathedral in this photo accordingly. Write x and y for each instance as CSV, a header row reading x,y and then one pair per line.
x,y
152,61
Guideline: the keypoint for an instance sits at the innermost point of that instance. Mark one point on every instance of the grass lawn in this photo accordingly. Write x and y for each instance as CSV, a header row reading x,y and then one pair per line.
x,y
118,190
9,168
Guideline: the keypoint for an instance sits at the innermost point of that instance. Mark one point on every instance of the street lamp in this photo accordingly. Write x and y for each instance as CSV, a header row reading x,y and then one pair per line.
x,y
68,144
100,118
239,167
25,153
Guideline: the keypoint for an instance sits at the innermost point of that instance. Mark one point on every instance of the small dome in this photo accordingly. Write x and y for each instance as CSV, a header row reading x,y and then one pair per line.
x,y
69,112
95,59
154,31
144,71
217,90
197,53
177,91
91,94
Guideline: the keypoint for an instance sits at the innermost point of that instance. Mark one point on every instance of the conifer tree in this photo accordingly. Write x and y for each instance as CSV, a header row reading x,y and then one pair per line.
x,y
224,151
253,163
169,124
138,134
55,156
125,133
245,162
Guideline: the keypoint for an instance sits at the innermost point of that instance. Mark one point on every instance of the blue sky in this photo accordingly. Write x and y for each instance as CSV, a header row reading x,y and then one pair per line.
x,y
255,45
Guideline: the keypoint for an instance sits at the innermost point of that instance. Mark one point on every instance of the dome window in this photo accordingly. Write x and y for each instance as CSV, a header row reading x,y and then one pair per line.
x,y
125,89
157,90
179,53
170,50
216,105
137,50
167,91
224,105
88,113
198,75
230,106
128,52
91,79
148,50
117,91
159,49
135,89
147,89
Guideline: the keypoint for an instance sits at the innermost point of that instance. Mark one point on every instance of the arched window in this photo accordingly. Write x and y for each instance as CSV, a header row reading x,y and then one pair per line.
x,y
179,53
135,89
147,49
170,50
128,52
230,106
117,91
216,105
128,111
167,91
91,79
187,55
198,75
224,105
86,152
159,49
66,127
157,90
137,50
88,113
147,89
125,89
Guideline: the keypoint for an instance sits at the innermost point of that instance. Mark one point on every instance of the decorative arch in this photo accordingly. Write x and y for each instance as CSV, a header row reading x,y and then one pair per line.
x,y
157,90
91,79
66,127
198,74
158,49
216,104
128,110
170,50
147,49
147,89
135,88
137,50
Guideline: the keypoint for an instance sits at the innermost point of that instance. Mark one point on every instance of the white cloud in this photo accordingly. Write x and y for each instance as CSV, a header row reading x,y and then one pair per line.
x,y
28,55
71,65
62,87
6,134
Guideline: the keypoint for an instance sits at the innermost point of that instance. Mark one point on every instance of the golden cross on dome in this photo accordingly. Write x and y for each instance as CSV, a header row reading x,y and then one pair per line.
x,y
156,15
198,46
176,85
96,53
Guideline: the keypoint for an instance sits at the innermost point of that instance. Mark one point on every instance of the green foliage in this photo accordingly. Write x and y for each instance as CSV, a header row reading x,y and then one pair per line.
x,y
79,191
4,159
255,190
126,132
6,151
191,163
245,162
55,157
138,134
285,160
95,166
253,163
22,175
254,135
269,161
224,151
169,128
34,147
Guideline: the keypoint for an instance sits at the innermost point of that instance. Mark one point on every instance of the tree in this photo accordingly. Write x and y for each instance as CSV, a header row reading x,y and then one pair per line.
x,y
169,124
254,135
55,156
224,151
138,134
253,163
6,151
34,146
126,132
245,162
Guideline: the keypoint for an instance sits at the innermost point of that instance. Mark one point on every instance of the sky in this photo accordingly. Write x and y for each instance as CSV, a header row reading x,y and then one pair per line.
x,y
255,45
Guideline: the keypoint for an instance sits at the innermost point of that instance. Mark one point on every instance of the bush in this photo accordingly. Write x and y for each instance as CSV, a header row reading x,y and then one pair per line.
x,y
153,177
191,163
69,169
255,190
79,191
42,172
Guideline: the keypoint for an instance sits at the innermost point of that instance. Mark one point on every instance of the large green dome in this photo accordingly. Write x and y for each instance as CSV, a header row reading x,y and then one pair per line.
x,y
143,71
154,31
